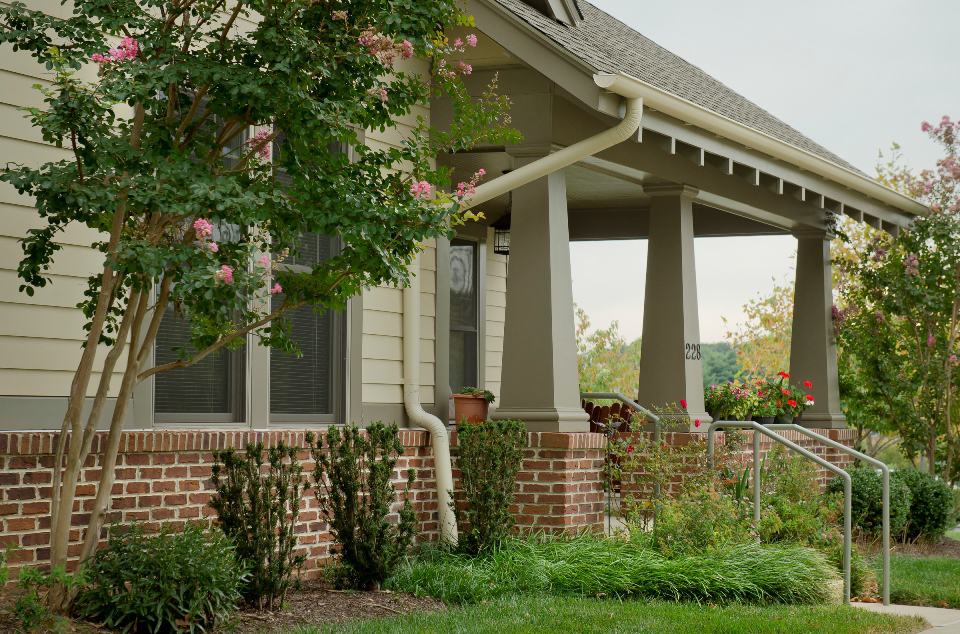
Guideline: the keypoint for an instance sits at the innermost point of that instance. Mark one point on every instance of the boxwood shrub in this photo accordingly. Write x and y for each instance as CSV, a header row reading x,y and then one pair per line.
x,y
187,581
867,501
931,505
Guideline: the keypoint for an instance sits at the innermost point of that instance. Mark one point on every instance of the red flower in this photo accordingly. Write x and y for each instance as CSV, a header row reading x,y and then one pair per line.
x,y
808,384
791,402
759,392
810,397
784,391
629,448
783,375
683,403
696,422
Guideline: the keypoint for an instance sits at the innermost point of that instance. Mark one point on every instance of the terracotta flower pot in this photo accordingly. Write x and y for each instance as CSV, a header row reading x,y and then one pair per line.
x,y
469,409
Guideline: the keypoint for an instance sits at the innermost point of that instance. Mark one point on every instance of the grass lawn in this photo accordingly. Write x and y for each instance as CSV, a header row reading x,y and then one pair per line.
x,y
954,534
933,581
565,614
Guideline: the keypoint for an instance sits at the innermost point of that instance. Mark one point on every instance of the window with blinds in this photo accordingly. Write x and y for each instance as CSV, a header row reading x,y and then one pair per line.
x,y
464,314
211,390
308,387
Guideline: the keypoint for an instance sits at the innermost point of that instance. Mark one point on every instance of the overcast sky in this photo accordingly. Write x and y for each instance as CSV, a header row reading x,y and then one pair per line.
x,y
854,75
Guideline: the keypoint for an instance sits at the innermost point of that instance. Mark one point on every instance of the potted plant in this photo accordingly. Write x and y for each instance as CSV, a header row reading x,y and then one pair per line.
x,y
791,399
471,405
766,403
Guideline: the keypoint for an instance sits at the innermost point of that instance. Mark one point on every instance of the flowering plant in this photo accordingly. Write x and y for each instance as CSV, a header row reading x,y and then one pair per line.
x,y
790,399
732,400
201,140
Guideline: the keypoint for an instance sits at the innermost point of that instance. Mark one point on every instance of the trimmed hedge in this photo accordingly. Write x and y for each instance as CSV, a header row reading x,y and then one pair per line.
x,y
867,498
931,505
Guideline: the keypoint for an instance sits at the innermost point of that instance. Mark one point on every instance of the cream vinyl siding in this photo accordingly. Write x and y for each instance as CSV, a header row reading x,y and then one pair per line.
x,y
40,336
382,363
495,287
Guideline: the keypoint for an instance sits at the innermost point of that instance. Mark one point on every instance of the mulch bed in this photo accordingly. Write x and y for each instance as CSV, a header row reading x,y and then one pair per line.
x,y
314,604
317,604
946,547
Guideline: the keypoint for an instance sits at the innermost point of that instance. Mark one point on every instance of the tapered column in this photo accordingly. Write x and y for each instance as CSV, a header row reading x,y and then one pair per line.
x,y
539,376
813,350
670,360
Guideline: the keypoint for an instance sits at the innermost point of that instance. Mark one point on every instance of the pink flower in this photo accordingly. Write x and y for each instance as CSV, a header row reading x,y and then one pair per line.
x,y
340,15
406,49
264,260
953,359
925,127
911,265
203,228
225,274
480,173
472,40
696,423
420,189
276,289
931,341
458,43
464,67
260,140
214,247
683,403
129,48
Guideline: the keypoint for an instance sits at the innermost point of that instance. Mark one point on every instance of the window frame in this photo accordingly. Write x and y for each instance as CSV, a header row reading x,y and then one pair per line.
x,y
479,244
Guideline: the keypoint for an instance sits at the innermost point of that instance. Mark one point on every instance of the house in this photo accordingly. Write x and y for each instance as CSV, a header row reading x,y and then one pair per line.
x,y
700,160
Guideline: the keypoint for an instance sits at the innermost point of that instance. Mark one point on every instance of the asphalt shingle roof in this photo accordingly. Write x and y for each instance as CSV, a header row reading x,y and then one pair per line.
x,y
609,45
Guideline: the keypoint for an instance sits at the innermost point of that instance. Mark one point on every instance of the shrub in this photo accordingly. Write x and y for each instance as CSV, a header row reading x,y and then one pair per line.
x,y
794,511
257,508
489,459
591,565
866,486
31,607
695,522
173,581
353,481
931,505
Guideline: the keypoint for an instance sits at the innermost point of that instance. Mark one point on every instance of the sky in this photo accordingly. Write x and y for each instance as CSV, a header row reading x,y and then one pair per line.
x,y
853,75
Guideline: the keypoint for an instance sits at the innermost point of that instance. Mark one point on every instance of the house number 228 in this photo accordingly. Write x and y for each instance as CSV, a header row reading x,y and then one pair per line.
x,y
691,351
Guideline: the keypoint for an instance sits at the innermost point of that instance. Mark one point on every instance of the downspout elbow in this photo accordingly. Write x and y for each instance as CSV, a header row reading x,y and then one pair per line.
x,y
418,416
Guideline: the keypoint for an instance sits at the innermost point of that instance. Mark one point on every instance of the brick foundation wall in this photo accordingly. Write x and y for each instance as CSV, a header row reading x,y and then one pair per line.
x,y
163,477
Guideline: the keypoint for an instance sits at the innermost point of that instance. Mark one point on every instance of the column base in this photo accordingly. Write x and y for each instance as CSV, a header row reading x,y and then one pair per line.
x,y
546,418
822,421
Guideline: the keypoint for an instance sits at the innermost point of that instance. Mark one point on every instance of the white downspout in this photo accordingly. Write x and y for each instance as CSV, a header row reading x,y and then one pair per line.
x,y
622,85
415,412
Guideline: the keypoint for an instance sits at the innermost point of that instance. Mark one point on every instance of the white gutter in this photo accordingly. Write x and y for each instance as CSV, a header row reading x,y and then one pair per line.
x,y
691,113
419,416
619,84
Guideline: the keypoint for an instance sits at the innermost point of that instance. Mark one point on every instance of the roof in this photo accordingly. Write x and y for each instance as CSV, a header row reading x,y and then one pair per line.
x,y
608,45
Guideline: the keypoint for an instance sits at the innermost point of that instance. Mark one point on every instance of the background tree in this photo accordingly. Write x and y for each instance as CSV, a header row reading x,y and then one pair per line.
x,y
719,362
606,362
762,340
188,203
899,324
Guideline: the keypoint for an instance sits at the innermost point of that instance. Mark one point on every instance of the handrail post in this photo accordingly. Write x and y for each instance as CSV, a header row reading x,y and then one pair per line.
x,y
885,471
756,478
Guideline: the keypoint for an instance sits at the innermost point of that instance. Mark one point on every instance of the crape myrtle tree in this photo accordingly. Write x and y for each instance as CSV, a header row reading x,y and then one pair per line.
x,y
199,135
899,321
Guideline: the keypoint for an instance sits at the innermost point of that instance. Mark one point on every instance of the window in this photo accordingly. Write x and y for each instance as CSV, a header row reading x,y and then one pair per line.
x,y
211,390
464,314
309,387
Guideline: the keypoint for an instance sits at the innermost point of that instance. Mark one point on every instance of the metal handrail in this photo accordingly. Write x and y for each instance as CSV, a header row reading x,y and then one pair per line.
x,y
885,470
847,503
617,396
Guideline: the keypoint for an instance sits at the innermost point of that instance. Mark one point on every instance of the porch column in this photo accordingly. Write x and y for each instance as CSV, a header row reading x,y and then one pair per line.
x,y
539,382
670,365
813,351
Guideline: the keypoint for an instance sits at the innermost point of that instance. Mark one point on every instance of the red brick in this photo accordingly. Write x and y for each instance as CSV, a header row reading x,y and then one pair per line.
x,y
24,493
138,487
